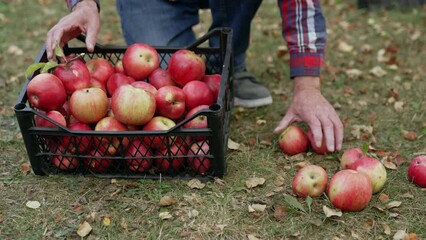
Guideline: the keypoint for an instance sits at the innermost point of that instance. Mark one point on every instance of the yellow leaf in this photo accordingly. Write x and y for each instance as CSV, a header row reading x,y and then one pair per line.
x,y
233,145
329,212
106,221
84,229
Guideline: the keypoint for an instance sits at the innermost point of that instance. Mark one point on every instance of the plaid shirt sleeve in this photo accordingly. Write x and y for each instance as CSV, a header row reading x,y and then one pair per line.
x,y
304,30
72,3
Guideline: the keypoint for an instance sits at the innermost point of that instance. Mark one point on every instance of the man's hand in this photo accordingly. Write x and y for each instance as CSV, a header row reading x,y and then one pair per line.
x,y
84,18
308,105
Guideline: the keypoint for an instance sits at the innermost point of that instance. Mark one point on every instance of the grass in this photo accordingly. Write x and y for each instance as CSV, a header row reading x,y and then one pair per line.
x,y
220,209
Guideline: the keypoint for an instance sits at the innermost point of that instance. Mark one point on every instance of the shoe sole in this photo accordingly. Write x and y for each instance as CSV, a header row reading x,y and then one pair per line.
x,y
252,103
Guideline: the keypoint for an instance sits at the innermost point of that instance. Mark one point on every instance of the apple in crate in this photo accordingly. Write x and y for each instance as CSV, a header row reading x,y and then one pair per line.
x,y
417,171
310,180
100,69
293,140
133,106
197,157
64,162
320,150
374,169
98,84
197,93
158,123
213,81
160,78
116,80
145,86
89,105
185,66
350,190
74,75
111,144
170,102
138,157
140,60
77,144
53,115
46,92
198,122
171,159
349,157
99,160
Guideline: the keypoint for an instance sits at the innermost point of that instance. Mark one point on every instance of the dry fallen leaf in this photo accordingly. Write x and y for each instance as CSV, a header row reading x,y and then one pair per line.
x,y
233,145
393,204
409,135
398,106
258,207
25,168
1,218
377,71
279,181
261,122
254,182
123,223
84,229
353,73
165,215
387,229
388,163
166,201
33,204
329,212
195,183
400,235
345,47
280,212
383,197
252,237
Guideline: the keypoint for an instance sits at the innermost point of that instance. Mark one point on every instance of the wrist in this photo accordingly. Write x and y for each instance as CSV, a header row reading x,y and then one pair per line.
x,y
306,82
74,5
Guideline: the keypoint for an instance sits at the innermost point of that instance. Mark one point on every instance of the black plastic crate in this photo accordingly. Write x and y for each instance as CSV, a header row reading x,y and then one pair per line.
x,y
61,151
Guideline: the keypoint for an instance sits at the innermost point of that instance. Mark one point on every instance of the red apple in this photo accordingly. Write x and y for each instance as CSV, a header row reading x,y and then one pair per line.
x,y
374,169
349,157
133,106
310,180
111,144
99,161
213,81
158,123
77,144
55,116
64,162
74,75
417,171
98,84
116,80
145,86
320,150
172,158
197,93
89,105
46,92
293,140
140,60
118,67
200,121
160,78
197,157
185,66
350,190
100,69
138,157
170,102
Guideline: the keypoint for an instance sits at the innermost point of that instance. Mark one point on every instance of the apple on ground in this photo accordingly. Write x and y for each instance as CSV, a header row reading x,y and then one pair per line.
x,y
74,75
185,66
374,169
77,144
172,159
111,144
417,171
46,92
320,150
100,69
293,140
98,84
140,60
63,162
118,67
170,102
158,123
213,81
160,78
197,157
133,106
350,190
99,160
197,93
53,115
145,86
349,157
310,180
89,105
139,157
116,80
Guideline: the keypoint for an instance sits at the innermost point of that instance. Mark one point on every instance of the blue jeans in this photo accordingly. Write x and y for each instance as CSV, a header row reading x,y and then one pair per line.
x,y
169,23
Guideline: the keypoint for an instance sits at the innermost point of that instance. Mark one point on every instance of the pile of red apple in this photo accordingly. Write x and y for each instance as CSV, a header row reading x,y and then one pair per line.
x,y
132,94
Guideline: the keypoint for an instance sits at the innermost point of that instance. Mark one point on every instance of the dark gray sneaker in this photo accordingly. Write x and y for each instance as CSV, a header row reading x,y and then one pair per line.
x,y
248,92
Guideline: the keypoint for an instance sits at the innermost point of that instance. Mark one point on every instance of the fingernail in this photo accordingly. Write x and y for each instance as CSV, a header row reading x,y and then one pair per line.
x,y
318,143
90,47
330,148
